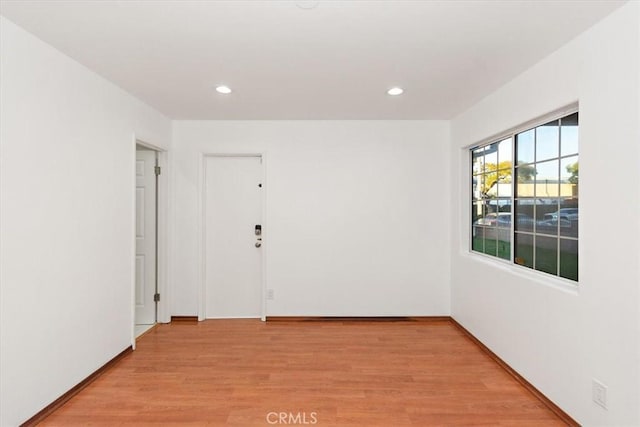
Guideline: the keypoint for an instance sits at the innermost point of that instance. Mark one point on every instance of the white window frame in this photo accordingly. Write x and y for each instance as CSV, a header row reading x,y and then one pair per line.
x,y
496,138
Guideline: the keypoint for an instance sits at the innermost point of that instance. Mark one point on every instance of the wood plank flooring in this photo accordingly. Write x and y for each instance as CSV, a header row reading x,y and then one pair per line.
x,y
351,373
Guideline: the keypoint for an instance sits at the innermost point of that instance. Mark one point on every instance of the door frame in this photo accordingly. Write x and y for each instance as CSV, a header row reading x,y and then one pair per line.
x,y
162,234
202,308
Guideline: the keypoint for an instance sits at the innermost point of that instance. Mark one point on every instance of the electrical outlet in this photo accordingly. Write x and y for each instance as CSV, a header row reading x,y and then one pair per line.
x,y
270,294
600,393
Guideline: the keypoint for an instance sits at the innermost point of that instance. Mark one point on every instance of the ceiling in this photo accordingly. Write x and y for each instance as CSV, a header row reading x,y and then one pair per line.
x,y
284,61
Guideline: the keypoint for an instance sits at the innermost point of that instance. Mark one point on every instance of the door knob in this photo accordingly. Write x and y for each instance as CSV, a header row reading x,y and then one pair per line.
x,y
258,244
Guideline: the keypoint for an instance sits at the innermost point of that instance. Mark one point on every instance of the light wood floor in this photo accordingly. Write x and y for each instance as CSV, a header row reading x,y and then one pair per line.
x,y
369,373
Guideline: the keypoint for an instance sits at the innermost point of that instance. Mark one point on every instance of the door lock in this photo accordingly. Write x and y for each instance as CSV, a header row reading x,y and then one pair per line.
x,y
258,231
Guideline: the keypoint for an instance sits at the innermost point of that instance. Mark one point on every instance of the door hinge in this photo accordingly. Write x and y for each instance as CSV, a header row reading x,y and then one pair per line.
x,y
156,297
157,170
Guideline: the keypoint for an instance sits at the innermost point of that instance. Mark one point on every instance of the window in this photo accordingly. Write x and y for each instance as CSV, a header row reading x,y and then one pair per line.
x,y
524,201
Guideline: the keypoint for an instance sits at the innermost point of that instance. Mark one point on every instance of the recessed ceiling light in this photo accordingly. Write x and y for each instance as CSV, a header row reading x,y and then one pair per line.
x,y
223,89
395,91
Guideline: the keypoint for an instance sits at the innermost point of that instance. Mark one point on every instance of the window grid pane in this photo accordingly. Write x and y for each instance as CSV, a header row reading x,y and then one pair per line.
x,y
536,170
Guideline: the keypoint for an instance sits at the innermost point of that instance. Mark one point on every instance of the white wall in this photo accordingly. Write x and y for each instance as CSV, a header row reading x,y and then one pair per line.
x,y
357,214
66,230
556,338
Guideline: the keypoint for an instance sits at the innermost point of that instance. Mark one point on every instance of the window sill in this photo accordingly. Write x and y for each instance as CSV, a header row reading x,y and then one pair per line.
x,y
564,285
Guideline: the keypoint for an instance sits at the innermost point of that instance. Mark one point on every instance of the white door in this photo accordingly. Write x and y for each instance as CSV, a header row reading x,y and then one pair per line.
x,y
145,237
233,263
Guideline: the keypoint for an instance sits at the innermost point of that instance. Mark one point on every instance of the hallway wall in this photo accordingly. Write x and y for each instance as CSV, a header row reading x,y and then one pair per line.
x,y
67,220
356,214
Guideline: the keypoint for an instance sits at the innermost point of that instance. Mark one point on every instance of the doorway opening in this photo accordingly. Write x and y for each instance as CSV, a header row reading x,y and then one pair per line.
x,y
146,291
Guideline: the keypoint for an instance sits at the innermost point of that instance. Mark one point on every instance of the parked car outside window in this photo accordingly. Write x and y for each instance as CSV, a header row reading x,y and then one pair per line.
x,y
570,214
